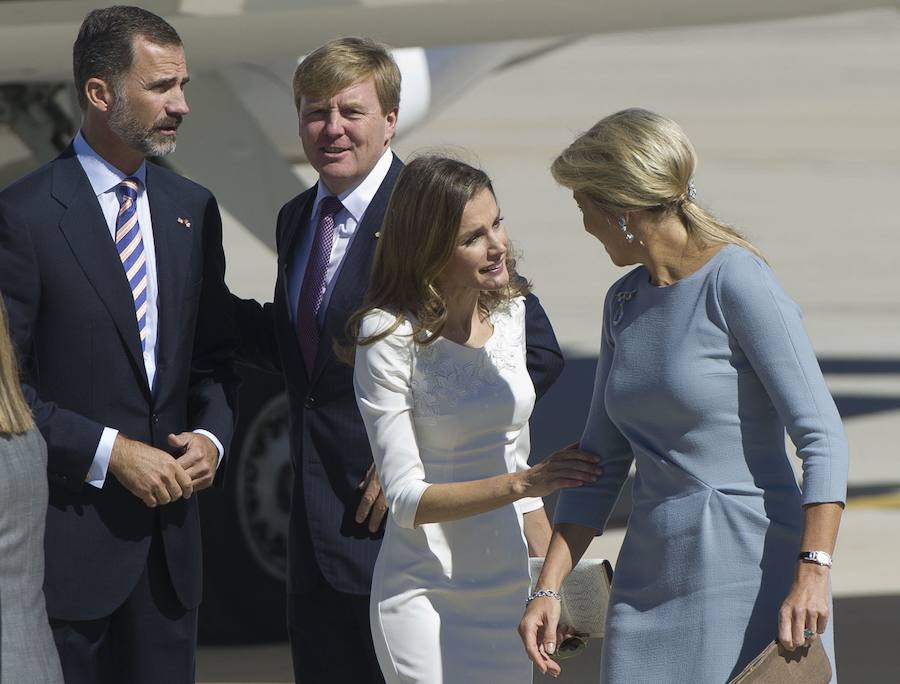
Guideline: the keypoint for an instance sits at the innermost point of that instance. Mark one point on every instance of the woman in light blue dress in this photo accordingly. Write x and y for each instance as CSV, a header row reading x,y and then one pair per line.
x,y
703,364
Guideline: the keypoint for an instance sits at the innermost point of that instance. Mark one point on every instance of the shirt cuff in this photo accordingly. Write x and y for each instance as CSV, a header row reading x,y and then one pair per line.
x,y
214,440
96,474
529,504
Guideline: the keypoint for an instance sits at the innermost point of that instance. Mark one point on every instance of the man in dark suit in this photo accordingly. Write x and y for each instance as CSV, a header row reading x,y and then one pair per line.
x,y
347,95
113,274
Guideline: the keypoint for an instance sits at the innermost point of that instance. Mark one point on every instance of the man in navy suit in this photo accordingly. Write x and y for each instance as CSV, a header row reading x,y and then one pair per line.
x,y
347,95
112,270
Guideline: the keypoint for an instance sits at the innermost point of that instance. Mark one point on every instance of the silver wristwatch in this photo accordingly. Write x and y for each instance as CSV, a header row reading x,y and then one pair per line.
x,y
817,557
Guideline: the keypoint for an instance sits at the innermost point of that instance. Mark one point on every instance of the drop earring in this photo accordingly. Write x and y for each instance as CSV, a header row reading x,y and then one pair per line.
x,y
623,226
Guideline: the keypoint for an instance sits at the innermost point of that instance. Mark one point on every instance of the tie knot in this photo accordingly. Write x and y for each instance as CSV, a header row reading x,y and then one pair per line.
x,y
128,188
330,206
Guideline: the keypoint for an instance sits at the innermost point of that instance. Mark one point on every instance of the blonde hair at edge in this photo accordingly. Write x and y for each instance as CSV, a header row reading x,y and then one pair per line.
x,y
418,236
636,160
15,416
342,62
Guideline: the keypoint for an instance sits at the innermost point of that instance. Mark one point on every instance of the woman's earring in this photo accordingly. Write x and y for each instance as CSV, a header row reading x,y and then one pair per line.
x,y
623,226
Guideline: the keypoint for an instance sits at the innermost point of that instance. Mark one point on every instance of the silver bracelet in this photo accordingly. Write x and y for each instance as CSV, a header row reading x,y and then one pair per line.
x,y
541,593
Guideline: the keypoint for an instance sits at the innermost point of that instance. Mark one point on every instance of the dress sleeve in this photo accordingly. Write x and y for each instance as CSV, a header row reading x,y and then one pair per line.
x,y
591,504
381,379
523,441
767,326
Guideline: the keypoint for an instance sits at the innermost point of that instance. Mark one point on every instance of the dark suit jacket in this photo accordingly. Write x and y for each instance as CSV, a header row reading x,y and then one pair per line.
x,y
72,320
329,446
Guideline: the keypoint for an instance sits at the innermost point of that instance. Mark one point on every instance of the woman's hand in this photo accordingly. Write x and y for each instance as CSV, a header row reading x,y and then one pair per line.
x,y
570,467
806,606
539,630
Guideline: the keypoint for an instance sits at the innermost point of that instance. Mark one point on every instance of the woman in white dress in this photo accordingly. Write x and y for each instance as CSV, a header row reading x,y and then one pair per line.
x,y
444,391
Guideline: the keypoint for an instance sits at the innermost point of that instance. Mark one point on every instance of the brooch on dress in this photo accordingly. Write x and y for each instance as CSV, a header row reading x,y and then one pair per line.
x,y
621,299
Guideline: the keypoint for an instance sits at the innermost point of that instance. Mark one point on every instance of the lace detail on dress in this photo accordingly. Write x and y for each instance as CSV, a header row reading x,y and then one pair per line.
x,y
446,374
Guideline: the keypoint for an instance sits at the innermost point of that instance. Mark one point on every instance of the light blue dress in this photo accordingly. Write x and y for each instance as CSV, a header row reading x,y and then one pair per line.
x,y
696,383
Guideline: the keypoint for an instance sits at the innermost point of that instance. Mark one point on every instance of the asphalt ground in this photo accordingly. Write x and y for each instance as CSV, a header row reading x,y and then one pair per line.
x,y
797,126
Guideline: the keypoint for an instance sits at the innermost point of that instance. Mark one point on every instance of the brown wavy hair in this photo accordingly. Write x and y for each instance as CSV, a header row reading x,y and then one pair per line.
x,y
418,237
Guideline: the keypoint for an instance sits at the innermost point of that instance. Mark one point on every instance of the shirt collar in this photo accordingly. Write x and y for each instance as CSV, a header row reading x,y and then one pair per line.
x,y
102,175
356,200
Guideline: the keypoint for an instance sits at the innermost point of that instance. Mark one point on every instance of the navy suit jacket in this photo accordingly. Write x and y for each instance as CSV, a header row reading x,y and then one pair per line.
x,y
72,320
329,446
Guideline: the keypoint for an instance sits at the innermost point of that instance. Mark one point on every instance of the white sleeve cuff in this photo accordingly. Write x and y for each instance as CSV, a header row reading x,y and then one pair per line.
x,y
96,474
214,440
406,504
528,504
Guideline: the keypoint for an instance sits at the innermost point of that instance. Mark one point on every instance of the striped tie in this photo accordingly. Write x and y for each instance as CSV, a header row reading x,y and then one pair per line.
x,y
131,250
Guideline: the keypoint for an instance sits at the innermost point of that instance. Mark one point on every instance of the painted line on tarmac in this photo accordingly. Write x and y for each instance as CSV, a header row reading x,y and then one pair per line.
x,y
890,500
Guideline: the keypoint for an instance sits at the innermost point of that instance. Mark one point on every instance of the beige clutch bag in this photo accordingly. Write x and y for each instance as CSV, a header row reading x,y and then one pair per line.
x,y
775,665
585,594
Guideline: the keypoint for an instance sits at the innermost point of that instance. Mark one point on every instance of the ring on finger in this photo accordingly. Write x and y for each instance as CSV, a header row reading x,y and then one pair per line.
x,y
808,633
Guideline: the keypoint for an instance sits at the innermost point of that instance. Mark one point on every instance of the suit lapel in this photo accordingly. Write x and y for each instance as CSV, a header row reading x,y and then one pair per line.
x,y
353,276
295,222
84,228
173,241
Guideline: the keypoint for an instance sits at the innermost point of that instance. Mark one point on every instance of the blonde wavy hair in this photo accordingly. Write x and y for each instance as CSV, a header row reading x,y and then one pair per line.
x,y
636,160
15,415
418,236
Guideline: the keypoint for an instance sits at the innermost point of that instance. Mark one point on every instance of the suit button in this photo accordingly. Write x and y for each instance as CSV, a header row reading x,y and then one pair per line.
x,y
155,418
310,402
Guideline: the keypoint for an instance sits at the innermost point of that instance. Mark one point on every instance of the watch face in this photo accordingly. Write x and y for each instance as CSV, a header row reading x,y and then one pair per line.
x,y
819,557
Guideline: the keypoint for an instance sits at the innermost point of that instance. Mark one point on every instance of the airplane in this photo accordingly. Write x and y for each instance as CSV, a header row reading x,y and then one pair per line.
x,y
241,141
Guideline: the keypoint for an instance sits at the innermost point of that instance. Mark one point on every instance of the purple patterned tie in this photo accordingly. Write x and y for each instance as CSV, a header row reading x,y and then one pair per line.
x,y
313,289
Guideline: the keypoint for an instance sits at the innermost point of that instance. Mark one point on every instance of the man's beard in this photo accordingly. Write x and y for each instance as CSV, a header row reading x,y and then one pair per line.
x,y
134,134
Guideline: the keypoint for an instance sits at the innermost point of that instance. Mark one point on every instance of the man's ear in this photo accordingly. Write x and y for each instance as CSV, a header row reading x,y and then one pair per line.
x,y
98,93
391,120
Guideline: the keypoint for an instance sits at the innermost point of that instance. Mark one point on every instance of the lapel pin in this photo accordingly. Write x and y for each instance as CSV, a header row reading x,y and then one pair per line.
x,y
184,222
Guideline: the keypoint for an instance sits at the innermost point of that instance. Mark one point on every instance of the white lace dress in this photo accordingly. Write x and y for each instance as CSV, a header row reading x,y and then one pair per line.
x,y
447,597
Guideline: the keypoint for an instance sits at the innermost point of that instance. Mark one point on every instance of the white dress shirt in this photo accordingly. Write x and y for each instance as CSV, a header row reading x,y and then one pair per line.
x,y
104,179
355,200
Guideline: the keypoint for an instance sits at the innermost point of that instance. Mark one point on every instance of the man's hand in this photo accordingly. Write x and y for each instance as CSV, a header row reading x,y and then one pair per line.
x,y
149,473
373,505
198,456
